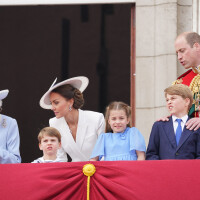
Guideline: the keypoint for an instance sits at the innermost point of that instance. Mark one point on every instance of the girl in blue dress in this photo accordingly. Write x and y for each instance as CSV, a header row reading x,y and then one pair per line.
x,y
119,142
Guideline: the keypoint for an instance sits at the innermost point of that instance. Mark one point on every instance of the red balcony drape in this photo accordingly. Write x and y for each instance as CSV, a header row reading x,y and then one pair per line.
x,y
116,180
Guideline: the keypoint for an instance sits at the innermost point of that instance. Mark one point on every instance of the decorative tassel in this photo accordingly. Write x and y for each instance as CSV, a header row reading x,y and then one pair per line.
x,y
88,170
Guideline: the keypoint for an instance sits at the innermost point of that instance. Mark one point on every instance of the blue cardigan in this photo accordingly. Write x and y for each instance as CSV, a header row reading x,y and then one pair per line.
x,y
9,140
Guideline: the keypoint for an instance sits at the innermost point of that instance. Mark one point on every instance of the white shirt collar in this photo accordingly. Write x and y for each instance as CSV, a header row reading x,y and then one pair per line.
x,y
184,118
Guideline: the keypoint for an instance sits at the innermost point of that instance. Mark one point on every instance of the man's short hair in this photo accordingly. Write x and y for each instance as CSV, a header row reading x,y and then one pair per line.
x,y
192,38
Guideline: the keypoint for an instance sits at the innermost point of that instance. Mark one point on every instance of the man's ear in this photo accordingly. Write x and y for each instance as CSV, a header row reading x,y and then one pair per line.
x,y
197,46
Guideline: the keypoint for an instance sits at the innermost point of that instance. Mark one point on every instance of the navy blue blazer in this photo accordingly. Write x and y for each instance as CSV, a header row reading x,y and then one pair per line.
x,y
162,143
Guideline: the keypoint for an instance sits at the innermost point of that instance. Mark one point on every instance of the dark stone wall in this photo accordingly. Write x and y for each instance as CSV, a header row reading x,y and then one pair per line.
x,y
40,43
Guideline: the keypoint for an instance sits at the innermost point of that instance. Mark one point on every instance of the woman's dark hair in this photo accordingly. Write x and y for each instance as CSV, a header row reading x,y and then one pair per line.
x,y
70,92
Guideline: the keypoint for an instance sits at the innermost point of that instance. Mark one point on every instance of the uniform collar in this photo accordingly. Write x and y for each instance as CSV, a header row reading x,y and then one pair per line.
x,y
196,69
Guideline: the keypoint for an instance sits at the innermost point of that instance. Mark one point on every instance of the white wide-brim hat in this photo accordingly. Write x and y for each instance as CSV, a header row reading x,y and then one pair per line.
x,y
3,94
79,82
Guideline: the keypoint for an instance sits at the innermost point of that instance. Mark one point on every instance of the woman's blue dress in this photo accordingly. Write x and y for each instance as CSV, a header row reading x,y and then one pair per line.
x,y
119,146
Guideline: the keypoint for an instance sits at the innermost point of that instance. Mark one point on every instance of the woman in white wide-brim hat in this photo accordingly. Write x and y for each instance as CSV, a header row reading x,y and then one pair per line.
x,y
9,136
79,129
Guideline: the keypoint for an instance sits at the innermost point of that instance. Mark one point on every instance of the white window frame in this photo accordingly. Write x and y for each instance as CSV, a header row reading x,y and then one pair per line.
x,y
196,16
60,2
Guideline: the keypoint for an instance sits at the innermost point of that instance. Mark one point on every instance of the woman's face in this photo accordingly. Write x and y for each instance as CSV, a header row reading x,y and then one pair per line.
x,y
60,106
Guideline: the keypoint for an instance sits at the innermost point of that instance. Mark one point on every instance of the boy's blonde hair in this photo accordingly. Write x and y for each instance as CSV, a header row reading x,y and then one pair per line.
x,y
117,105
180,90
49,131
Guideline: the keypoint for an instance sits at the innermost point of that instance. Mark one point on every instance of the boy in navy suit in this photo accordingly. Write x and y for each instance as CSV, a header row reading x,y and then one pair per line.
x,y
170,139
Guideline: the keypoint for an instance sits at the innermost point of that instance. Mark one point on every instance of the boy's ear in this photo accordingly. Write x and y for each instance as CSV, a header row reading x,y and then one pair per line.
x,y
187,101
40,147
59,145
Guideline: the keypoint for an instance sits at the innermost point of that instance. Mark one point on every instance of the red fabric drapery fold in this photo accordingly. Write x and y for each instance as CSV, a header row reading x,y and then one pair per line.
x,y
120,180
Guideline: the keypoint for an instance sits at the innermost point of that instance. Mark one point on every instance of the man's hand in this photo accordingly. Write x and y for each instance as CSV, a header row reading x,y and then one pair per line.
x,y
164,119
193,124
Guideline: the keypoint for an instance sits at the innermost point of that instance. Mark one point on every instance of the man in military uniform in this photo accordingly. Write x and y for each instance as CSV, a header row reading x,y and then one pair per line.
x,y
187,47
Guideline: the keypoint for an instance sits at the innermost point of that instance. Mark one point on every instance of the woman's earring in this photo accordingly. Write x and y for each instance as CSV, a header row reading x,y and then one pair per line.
x,y
70,108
